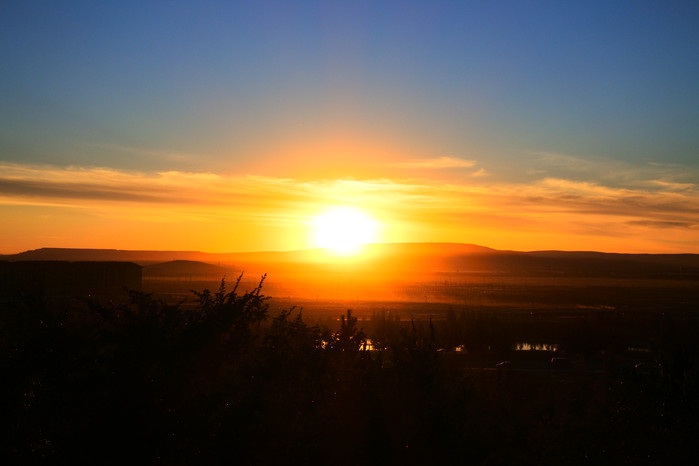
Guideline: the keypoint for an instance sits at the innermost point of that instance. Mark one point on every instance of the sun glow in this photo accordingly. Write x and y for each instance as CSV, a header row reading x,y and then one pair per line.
x,y
344,230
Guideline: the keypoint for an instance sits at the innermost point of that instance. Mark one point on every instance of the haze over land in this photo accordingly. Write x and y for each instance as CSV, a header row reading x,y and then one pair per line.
x,y
463,274
398,258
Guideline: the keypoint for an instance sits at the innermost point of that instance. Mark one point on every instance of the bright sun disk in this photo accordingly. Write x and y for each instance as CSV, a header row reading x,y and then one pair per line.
x,y
343,230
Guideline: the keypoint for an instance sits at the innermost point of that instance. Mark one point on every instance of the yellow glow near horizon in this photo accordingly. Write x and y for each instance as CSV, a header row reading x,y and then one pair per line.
x,y
76,208
344,230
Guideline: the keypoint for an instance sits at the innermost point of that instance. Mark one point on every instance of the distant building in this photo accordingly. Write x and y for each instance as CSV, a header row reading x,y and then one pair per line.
x,y
59,280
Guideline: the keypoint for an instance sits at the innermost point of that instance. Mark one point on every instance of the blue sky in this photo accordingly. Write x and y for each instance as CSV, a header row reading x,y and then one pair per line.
x,y
512,93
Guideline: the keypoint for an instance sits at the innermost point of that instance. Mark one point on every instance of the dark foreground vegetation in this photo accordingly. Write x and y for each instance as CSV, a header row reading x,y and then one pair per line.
x,y
224,382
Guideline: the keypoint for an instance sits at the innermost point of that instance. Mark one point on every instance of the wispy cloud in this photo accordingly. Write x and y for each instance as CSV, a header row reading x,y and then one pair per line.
x,y
553,208
161,155
656,224
436,163
558,160
644,175
84,191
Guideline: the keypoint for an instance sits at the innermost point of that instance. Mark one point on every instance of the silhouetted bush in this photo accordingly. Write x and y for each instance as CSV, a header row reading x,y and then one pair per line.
x,y
219,380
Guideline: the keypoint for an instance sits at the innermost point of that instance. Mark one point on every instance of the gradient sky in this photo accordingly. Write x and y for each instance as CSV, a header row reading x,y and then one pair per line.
x,y
228,126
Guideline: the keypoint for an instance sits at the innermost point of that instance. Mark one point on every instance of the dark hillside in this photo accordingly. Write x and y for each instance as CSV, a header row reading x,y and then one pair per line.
x,y
401,258
66,254
61,279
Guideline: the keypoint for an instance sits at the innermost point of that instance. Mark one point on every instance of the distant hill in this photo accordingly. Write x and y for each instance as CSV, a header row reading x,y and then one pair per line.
x,y
66,254
392,258
308,255
145,257
428,249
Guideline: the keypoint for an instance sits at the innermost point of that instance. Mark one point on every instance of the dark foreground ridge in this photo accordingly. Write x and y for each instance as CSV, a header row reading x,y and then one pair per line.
x,y
61,280
224,381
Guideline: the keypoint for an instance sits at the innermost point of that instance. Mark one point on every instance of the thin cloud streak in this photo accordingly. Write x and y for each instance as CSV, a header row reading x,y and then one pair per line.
x,y
160,155
85,191
435,163
433,211
613,173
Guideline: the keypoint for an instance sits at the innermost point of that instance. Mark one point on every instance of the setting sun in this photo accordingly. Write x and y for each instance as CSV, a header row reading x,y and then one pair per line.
x,y
344,230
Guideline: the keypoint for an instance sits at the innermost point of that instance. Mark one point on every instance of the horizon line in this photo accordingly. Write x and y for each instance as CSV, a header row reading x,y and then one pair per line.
x,y
282,251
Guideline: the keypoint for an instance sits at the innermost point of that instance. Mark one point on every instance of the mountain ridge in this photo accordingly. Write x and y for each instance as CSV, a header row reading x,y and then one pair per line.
x,y
399,259
146,255
449,248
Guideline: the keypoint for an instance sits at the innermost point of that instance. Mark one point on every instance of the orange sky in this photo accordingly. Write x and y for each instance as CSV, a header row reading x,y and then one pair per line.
x,y
232,126
46,206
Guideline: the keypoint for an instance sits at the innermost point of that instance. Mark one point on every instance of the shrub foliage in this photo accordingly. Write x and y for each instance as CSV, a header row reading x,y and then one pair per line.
x,y
222,381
